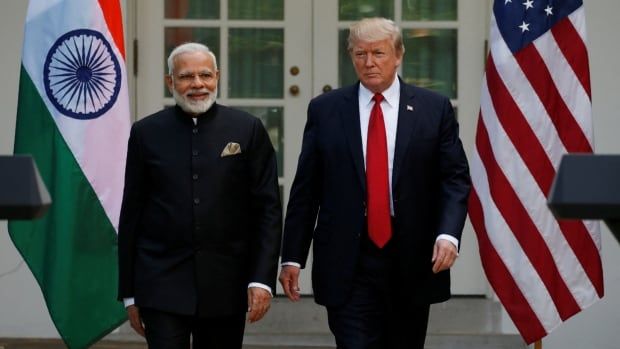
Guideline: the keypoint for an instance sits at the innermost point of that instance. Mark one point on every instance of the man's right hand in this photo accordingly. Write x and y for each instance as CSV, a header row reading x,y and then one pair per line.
x,y
289,278
133,313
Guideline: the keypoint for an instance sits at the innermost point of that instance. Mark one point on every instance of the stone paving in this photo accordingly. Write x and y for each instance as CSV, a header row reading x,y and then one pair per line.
x,y
461,323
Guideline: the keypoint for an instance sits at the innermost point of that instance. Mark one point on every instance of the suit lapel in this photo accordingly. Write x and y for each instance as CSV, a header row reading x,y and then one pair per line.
x,y
406,121
350,117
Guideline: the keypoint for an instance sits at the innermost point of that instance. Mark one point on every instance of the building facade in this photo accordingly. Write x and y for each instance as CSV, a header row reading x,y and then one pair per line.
x,y
274,56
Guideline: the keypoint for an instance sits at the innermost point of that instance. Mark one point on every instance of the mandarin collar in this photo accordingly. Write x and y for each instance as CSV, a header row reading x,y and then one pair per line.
x,y
187,118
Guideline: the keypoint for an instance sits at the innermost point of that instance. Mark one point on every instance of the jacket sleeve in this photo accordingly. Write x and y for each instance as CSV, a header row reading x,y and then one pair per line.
x,y
266,208
131,210
303,202
455,182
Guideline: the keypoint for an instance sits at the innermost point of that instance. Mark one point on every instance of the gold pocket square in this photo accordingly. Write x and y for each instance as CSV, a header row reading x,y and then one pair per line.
x,y
231,148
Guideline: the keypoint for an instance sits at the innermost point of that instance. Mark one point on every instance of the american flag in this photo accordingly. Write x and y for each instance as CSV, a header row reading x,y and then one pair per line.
x,y
535,107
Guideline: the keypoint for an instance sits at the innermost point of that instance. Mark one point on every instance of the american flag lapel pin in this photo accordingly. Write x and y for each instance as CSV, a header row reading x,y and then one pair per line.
x,y
409,108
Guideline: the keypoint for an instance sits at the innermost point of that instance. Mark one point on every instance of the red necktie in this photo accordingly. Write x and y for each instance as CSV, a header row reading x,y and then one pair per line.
x,y
377,182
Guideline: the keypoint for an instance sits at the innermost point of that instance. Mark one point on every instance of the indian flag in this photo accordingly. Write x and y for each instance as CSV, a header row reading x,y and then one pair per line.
x,y
73,118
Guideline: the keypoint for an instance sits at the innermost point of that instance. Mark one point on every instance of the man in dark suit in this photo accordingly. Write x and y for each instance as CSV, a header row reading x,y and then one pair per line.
x,y
200,225
381,188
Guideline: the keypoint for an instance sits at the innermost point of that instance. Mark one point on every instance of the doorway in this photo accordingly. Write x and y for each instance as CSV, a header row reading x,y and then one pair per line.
x,y
275,55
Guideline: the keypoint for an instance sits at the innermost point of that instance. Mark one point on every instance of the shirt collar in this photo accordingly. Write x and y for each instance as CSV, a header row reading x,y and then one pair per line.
x,y
390,95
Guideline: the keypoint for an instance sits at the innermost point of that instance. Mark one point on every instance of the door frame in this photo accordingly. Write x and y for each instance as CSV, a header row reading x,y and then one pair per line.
x,y
317,61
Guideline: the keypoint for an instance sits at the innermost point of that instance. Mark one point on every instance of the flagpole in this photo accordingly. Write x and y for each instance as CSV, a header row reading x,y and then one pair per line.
x,y
538,344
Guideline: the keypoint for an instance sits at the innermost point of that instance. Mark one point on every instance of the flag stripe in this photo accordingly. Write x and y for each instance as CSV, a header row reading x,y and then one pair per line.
x,y
532,197
524,230
570,133
514,258
74,273
73,117
574,50
519,131
542,171
114,19
517,306
524,97
99,144
582,244
535,106
570,88
537,160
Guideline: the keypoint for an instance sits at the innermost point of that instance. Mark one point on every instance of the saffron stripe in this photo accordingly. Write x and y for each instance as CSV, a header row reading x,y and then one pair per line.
x,y
114,18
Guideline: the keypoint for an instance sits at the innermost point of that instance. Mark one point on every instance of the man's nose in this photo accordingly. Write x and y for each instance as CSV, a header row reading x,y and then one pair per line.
x,y
369,61
197,81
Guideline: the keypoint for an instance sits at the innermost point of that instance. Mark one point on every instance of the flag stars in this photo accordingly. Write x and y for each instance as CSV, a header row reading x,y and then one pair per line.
x,y
528,4
524,27
549,10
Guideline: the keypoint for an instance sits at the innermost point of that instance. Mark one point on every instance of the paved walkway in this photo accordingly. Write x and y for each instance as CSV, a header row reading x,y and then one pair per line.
x,y
461,323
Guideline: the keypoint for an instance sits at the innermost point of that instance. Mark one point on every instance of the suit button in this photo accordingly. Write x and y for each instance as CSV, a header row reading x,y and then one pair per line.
x,y
196,201
197,227
195,152
195,131
194,176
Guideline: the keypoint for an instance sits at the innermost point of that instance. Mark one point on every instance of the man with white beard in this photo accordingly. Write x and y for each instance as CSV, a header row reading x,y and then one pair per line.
x,y
199,233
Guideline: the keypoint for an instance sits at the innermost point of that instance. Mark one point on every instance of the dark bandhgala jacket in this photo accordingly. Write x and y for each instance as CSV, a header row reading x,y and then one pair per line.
x,y
430,186
198,222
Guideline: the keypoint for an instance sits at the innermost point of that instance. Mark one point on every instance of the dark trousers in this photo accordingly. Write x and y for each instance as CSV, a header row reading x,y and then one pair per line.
x,y
378,315
173,331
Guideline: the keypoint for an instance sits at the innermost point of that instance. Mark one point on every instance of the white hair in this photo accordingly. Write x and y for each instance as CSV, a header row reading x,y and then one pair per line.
x,y
189,47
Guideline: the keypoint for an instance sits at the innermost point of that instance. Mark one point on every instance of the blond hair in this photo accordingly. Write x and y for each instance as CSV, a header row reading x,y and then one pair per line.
x,y
376,29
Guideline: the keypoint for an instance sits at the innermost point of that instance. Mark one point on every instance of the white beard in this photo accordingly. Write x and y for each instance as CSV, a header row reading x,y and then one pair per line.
x,y
195,107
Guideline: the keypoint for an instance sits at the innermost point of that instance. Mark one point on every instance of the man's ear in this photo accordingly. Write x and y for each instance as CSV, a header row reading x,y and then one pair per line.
x,y
169,82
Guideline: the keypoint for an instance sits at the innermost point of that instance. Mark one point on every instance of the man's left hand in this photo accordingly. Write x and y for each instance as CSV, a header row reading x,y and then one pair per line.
x,y
258,303
444,255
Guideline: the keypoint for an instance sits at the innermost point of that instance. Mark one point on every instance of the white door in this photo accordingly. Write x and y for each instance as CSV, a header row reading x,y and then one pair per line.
x,y
275,55
444,51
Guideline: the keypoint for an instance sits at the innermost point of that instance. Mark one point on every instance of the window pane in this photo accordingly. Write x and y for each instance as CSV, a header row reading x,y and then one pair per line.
x,y
194,9
353,10
430,59
272,118
256,9
346,72
429,10
174,36
256,63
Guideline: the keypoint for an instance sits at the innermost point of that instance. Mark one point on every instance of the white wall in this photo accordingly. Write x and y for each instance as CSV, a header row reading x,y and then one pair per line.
x,y
23,313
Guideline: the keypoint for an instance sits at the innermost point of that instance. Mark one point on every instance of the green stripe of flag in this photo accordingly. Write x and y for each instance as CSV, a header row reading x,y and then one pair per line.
x,y
72,250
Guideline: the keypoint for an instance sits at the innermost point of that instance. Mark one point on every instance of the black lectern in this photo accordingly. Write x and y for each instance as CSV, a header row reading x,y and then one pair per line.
x,y
22,192
588,187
